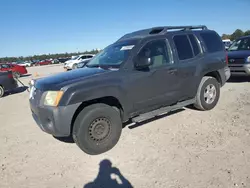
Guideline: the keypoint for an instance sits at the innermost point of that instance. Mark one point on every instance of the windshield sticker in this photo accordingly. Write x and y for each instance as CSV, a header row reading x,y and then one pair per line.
x,y
127,47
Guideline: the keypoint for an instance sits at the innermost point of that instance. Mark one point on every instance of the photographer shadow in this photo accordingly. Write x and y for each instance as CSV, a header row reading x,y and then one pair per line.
x,y
108,176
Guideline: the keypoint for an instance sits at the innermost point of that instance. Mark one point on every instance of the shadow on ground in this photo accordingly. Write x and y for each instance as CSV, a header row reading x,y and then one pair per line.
x,y
16,91
108,177
238,79
67,139
25,75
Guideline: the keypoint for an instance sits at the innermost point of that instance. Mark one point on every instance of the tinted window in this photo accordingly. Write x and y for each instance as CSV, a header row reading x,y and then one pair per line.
x,y
5,66
157,51
212,41
183,47
240,44
194,43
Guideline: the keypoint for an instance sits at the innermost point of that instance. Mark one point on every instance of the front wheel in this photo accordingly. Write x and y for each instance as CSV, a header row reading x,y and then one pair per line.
x,y
1,91
74,66
97,128
208,94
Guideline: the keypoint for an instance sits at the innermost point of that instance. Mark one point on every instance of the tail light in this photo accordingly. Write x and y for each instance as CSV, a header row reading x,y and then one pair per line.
x,y
226,57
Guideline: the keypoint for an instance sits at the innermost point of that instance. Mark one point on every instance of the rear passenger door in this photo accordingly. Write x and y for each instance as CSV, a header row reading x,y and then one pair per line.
x,y
188,55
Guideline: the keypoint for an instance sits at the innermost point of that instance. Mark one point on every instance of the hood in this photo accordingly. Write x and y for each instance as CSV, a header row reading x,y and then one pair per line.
x,y
241,54
57,81
69,61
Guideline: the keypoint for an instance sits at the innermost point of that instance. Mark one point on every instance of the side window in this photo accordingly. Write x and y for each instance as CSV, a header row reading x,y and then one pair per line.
x,y
194,43
5,66
183,47
157,51
212,41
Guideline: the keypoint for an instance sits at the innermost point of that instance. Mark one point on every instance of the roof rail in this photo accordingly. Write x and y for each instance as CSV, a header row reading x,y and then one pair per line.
x,y
203,27
161,30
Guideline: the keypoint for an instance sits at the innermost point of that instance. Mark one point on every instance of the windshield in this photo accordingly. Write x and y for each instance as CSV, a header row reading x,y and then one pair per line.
x,y
74,57
240,44
112,56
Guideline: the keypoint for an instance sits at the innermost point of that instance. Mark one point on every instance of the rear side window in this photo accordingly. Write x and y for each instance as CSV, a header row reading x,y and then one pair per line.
x,y
194,43
183,47
212,42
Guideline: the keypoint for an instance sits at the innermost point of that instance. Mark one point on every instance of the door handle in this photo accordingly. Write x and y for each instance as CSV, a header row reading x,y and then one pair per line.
x,y
172,71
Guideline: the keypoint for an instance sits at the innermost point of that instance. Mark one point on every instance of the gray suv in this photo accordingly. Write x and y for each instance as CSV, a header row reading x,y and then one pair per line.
x,y
142,75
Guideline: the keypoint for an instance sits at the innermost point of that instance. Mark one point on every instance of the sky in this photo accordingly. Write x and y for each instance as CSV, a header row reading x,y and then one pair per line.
x,y
32,27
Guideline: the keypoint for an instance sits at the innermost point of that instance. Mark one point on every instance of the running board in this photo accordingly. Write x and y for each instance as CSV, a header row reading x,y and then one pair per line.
x,y
163,110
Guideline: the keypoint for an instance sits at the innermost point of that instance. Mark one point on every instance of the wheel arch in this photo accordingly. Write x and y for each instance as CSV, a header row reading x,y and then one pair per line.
x,y
216,75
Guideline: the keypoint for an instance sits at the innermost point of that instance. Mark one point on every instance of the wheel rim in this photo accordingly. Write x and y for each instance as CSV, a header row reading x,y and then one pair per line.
x,y
99,129
1,91
210,94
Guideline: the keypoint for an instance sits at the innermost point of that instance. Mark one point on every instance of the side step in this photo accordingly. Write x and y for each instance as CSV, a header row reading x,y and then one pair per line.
x,y
163,110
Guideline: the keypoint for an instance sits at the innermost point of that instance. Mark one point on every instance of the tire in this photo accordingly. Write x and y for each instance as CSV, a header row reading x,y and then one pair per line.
x,y
208,94
74,66
1,91
97,129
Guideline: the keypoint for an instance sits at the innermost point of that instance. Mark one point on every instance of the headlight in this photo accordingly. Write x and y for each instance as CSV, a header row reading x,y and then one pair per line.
x,y
248,59
53,98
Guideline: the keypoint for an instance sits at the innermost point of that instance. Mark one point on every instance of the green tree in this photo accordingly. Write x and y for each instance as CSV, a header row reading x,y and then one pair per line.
x,y
225,36
247,33
238,33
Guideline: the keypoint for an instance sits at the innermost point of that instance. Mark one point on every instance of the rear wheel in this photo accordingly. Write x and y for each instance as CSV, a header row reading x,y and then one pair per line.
x,y
208,94
97,128
1,91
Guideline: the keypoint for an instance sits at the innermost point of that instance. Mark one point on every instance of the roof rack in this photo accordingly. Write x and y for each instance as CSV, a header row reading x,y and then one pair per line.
x,y
161,30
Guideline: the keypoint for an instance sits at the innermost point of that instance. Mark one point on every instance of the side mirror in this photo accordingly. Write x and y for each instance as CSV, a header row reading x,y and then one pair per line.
x,y
143,62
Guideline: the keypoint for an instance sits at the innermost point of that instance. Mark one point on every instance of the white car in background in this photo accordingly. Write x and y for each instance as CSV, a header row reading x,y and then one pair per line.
x,y
72,63
24,63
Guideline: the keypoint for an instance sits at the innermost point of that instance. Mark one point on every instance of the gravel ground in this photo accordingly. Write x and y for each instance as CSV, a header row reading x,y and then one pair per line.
x,y
185,149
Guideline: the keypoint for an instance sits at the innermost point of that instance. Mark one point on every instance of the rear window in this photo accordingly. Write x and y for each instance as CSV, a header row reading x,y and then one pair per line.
x,y
212,41
183,47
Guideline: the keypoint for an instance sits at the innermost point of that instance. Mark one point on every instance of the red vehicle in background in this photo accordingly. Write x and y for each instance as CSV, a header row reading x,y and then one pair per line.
x,y
44,62
17,70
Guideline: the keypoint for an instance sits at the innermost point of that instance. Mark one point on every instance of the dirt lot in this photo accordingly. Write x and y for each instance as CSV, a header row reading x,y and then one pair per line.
x,y
186,149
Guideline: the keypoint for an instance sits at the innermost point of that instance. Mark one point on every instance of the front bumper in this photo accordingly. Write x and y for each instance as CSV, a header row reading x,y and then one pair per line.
x,y
240,69
54,120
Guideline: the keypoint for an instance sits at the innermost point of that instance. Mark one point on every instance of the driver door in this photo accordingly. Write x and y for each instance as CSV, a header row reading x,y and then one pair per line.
x,y
156,85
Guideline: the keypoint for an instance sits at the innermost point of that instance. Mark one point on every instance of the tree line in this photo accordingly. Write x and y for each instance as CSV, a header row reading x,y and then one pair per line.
x,y
236,34
46,56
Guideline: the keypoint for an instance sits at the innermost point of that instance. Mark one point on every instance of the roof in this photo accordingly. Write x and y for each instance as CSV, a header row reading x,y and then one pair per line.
x,y
243,37
159,31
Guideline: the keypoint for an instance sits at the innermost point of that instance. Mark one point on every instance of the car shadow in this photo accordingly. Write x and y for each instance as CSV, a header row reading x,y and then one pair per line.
x,y
108,176
68,139
238,79
25,75
16,90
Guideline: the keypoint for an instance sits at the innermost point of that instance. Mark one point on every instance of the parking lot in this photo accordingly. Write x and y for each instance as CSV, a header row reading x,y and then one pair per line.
x,y
188,148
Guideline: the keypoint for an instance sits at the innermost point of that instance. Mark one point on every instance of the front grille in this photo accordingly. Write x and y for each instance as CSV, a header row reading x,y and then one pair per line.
x,y
236,61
